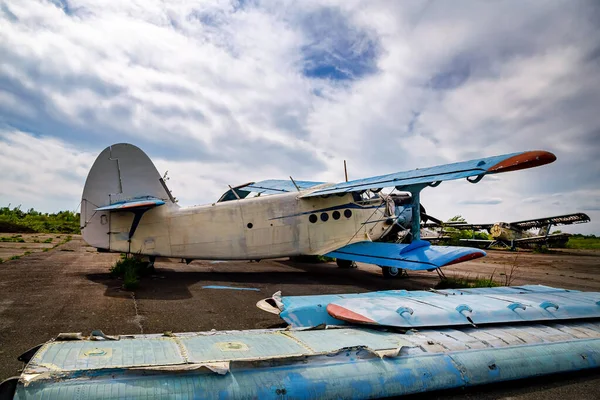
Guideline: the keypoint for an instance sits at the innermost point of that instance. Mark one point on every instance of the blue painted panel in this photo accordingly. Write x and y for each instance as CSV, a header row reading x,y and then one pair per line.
x,y
465,310
275,186
250,345
417,256
76,355
133,204
352,374
309,311
445,172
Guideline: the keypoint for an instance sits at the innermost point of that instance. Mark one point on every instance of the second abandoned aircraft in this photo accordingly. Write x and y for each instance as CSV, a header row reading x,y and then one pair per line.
x,y
127,207
516,234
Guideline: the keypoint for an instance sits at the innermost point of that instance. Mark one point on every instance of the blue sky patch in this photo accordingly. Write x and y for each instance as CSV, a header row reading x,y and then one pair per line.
x,y
337,49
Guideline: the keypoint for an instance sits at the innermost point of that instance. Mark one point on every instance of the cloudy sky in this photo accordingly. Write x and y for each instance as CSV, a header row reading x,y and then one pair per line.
x,y
225,92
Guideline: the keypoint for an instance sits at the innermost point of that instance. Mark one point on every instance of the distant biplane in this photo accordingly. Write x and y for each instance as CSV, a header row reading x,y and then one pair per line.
x,y
127,207
516,234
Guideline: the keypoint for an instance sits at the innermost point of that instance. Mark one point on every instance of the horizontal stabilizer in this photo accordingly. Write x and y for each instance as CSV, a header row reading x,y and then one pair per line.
x,y
418,256
133,204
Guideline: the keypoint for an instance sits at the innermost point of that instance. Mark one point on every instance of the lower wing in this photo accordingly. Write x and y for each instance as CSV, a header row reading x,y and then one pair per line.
x,y
418,256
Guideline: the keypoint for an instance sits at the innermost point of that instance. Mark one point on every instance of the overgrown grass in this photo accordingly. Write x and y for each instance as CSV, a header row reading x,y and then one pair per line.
x,y
31,221
14,239
590,242
130,269
464,282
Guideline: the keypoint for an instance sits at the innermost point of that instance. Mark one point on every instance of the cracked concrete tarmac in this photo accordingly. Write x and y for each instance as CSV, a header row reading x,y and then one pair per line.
x,y
68,289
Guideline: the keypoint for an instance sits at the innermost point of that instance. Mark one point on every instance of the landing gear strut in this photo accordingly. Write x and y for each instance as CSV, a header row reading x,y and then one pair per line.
x,y
393,272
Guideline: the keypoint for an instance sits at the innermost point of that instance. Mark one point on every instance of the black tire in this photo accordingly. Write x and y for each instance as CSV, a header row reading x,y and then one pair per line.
x,y
347,264
391,272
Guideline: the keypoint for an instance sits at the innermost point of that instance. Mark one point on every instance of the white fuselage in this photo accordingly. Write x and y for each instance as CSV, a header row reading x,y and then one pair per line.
x,y
252,228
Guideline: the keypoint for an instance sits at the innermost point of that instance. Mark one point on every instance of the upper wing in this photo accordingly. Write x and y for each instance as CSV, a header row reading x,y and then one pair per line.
x,y
271,186
133,204
465,169
568,219
417,256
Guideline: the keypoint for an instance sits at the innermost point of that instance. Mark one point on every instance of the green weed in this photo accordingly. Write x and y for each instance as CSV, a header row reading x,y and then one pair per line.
x,y
131,269
14,258
460,282
13,239
49,240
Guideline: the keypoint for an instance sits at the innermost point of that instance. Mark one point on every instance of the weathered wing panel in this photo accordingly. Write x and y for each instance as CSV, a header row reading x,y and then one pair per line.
x,y
311,311
465,169
417,256
318,364
476,309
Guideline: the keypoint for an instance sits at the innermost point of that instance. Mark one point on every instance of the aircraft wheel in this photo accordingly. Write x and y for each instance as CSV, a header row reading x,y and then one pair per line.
x,y
345,263
392,272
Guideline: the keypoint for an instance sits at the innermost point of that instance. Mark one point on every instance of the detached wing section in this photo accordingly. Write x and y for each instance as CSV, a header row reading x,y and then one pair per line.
x,y
418,256
466,169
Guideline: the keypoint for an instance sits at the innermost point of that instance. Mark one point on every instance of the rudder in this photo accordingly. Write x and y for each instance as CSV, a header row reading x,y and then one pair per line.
x,y
121,172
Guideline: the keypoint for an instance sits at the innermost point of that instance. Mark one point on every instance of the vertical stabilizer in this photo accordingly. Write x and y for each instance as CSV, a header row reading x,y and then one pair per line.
x,y
121,173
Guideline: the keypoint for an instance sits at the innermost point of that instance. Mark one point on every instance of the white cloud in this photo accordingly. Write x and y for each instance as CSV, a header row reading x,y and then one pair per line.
x,y
217,93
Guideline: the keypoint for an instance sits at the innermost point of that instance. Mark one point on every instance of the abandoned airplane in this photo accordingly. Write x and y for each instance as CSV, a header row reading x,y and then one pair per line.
x,y
127,207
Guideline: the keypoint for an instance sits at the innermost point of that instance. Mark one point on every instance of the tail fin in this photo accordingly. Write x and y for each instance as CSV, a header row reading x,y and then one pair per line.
x,y
121,173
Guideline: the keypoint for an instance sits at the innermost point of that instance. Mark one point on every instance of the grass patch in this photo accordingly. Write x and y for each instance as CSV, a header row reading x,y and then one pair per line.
x,y
14,258
465,282
589,242
1,261
27,253
49,240
44,250
312,259
130,269
13,239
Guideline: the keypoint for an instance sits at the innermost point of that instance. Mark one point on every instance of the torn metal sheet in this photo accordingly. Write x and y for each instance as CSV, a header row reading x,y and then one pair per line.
x,y
304,364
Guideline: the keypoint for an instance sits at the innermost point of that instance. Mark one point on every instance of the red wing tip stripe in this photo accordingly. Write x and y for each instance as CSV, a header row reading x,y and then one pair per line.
x,y
528,159
466,257
346,315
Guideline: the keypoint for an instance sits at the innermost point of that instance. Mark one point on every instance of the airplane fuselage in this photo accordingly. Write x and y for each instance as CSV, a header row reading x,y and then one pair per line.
x,y
252,228
504,232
